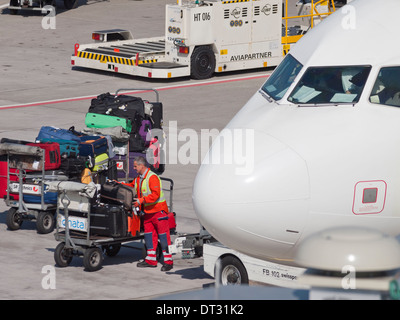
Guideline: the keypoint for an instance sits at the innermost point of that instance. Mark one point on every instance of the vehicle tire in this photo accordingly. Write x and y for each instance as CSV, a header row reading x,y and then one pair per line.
x,y
13,219
232,272
93,259
112,249
70,4
45,222
202,63
62,256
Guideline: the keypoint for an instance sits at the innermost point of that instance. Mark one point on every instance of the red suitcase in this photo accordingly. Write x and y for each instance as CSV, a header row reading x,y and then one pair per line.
x,y
3,181
53,159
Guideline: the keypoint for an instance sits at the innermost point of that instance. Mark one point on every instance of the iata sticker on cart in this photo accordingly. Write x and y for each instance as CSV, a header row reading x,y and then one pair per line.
x,y
26,188
75,223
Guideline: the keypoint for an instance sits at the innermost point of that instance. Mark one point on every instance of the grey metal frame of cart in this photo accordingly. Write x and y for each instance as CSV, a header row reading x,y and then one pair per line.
x,y
91,247
19,211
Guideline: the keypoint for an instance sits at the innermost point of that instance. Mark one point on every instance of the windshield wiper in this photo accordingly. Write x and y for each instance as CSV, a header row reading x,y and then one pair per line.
x,y
267,96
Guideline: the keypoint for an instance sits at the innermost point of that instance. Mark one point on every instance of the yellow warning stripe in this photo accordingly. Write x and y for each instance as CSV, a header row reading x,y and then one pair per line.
x,y
234,1
104,59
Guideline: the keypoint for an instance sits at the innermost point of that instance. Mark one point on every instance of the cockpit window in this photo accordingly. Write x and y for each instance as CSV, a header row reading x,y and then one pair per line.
x,y
330,85
387,87
283,76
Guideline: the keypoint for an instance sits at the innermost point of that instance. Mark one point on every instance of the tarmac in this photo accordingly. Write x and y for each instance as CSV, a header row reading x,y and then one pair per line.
x,y
38,87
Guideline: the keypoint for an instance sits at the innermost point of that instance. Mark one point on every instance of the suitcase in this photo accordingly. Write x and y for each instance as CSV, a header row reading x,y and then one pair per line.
x,y
144,129
3,179
157,115
93,146
49,198
51,175
94,120
68,148
124,164
100,177
52,154
120,106
136,143
108,220
100,162
116,193
47,132
73,167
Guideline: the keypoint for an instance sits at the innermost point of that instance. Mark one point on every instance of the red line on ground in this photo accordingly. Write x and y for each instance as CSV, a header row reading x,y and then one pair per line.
x,y
56,101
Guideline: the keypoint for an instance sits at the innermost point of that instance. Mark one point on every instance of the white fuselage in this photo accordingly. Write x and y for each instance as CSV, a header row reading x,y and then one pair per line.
x,y
313,166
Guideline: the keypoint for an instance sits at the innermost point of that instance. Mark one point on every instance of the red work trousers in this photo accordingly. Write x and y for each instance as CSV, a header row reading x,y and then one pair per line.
x,y
156,227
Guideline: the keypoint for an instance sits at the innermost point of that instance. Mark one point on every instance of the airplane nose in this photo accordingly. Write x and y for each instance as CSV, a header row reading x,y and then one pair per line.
x,y
260,194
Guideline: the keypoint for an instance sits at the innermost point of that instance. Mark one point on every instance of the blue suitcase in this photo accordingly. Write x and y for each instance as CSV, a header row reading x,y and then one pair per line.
x,y
49,198
47,132
93,146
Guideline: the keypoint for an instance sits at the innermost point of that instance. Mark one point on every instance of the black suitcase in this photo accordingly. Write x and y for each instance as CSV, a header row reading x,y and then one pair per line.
x,y
116,193
108,220
157,115
73,167
120,106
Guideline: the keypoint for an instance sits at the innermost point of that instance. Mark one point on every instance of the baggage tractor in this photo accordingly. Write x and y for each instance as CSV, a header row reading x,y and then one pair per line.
x,y
116,193
47,132
108,220
52,154
68,148
93,146
94,120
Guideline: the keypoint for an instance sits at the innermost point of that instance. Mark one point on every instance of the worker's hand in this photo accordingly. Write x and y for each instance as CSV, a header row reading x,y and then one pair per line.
x,y
138,202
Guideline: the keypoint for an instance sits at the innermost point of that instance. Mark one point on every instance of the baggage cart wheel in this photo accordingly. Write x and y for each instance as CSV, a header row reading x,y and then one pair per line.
x,y
232,272
13,219
92,259
62,255
45,222
112,249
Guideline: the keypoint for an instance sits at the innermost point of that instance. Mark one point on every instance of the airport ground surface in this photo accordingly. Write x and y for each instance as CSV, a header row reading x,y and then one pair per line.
x,y
35,67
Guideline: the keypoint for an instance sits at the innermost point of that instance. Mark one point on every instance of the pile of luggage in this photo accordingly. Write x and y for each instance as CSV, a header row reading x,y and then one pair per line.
x,y
118,129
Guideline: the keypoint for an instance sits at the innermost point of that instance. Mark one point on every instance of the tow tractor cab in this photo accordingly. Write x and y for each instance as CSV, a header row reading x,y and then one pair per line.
x,y
203,37
325,146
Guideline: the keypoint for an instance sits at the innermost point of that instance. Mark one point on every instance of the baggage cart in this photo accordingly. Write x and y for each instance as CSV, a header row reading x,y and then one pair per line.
x,y
23,158
75,235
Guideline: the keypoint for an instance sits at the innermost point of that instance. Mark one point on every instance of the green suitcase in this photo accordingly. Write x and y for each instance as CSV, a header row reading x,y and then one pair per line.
x,y
96,120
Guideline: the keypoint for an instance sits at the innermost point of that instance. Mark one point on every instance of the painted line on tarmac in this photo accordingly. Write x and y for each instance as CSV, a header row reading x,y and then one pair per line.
x,y
179,86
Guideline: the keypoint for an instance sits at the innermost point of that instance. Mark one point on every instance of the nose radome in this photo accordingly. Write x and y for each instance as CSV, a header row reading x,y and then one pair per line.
x,y
269,185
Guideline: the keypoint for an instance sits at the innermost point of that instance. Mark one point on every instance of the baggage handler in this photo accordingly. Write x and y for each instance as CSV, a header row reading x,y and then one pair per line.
x,y
151,201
